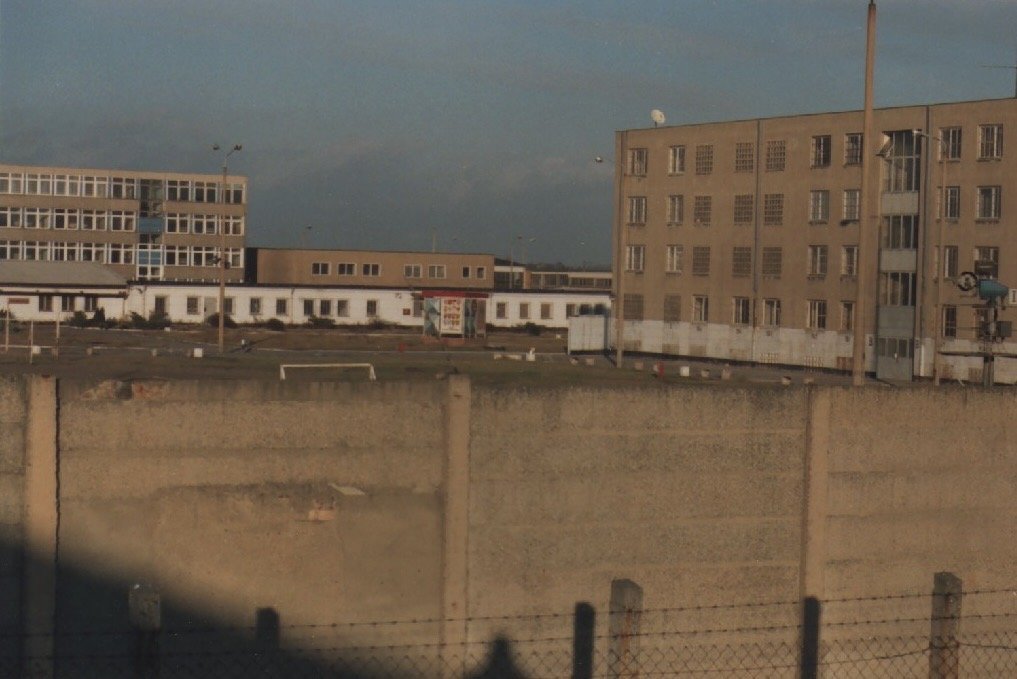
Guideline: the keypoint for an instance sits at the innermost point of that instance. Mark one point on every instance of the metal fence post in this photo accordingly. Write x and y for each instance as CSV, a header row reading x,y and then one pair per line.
x,y
944,654
582,641
811,609
623,628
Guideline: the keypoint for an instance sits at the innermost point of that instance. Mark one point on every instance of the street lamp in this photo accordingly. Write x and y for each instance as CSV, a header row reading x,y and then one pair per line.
x,y
222,245
940,262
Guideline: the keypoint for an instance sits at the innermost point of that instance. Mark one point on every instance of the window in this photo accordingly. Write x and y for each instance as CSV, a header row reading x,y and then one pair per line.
x,y
45,302
741,261
637,209
466,272
745,156
672,308
990,142
771,313
817,260
346,269
847,316
989,202
500,310
821,151
370,269
545,311
895,347
950,149
675,209
192,306
412,270
436,271
772,262
849,260
819,206
308,307
773,209
121,221
121,187
900,232
324,307
524,310
319,268
852,205
776,155
853,148
704,158
281,306
700,309
676,160
702,210
744,207
481,273
632,307
741,311
952,207
902,171
816,318
949,321
371,307
674,259
897,288
254,306
91,303
635,256
637,162
986,261
951,261
701,260
342,308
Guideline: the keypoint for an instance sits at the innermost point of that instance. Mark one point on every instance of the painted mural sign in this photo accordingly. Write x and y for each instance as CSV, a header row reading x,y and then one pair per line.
x,y
452,316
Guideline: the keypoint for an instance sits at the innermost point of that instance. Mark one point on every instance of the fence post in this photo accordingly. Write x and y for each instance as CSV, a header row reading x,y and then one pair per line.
x,y
145,611
582,641
811,610
623,628
944,656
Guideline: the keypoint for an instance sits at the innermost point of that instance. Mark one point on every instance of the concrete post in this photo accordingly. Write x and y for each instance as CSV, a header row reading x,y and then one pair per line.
x,y
810,638
582,641
626,610
455,545
944,655
41,520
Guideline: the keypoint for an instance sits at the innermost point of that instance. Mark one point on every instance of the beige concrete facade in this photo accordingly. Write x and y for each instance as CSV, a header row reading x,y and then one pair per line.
x,y
371,268
734,168
144,225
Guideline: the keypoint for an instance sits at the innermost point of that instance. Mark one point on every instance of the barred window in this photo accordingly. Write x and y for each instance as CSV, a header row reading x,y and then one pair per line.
x,y
632,307
776,155
741,261
701,260
702,210
745,156
773,209
672,308
743,208
819,206
773,259
821,148
852,204
704,158
853,148
674,259
675,209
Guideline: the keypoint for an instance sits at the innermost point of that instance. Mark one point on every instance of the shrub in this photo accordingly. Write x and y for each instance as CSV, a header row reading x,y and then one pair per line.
x,y
275,324
532,328
78,320
228,322
157,320
98,319
320,322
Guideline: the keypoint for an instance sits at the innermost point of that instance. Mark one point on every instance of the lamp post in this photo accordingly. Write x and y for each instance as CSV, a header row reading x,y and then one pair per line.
x,y
222,245
939,270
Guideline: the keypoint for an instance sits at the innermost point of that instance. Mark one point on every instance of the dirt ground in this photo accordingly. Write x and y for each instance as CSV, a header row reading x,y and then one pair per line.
x,y
498,359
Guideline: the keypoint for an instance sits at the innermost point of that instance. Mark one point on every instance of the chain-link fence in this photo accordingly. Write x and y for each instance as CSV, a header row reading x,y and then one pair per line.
x,y
907,635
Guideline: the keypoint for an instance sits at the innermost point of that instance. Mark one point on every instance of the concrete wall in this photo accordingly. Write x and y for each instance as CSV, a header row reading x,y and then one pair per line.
x,y
349,502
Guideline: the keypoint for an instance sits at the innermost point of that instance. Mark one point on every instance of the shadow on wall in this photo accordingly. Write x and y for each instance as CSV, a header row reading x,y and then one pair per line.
x,y
108,628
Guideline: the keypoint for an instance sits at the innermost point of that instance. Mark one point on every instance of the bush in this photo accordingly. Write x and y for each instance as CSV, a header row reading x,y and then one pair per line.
x,y
532,328
98,319
78,320
275,324
319,322
228,322
157,320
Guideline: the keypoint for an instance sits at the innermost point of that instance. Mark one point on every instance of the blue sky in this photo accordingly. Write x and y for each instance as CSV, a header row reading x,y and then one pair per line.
x,y
375,124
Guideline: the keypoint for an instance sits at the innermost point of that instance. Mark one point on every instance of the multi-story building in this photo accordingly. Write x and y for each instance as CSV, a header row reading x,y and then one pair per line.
x,y
739,240
370,268
143,225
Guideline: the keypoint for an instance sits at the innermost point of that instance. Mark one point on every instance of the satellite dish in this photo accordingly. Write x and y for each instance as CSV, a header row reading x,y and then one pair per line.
x,y
657,116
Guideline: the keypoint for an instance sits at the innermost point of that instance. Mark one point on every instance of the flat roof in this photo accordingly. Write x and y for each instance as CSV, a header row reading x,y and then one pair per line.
x,y
59,274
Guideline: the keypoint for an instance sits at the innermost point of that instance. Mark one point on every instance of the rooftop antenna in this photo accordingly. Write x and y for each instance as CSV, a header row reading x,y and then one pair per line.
x,y
657,116
1011,68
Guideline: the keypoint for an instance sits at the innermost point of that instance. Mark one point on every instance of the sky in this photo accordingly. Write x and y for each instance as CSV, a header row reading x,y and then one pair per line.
x,y
473,123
